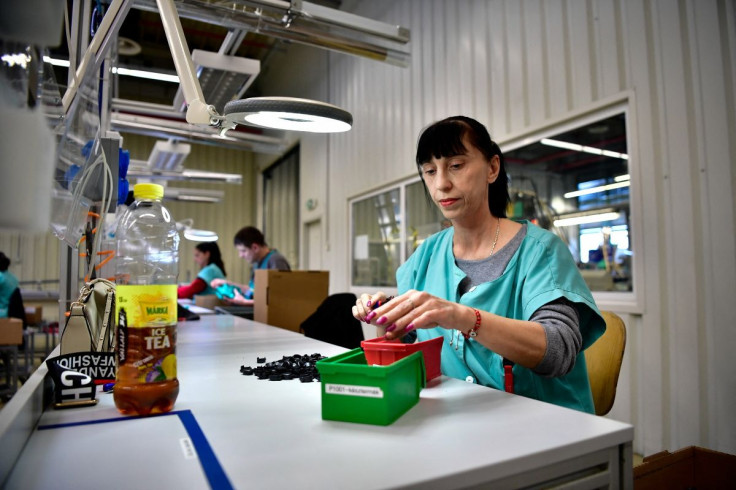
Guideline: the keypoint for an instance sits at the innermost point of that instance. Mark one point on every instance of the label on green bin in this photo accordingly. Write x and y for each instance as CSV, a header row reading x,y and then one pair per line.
x,y
354,390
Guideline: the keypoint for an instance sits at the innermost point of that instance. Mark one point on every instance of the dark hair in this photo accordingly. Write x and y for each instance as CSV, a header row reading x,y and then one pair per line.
x,y
215,255
248,236
445,139
4,262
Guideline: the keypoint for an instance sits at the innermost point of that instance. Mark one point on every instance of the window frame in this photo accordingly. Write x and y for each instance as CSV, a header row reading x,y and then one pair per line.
x,y
620,301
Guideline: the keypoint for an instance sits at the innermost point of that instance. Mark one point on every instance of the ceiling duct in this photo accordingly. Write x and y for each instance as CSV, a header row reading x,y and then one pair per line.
x,y
222,78
301,22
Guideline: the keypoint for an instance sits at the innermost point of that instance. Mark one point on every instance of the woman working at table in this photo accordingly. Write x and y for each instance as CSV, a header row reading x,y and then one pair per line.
x,y
502,293
209,259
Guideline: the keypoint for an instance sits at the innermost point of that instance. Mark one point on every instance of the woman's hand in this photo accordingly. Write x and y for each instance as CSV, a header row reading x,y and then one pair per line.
x,y
215,283
417,309
367,303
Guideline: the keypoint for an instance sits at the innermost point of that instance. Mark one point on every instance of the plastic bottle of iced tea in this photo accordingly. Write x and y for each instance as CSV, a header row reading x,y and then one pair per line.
x,y
147,266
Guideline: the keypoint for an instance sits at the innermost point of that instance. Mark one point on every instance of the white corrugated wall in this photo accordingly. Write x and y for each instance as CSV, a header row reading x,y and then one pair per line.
x,y
517,65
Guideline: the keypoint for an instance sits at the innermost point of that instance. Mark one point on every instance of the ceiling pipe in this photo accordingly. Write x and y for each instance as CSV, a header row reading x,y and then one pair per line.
x,y
309,24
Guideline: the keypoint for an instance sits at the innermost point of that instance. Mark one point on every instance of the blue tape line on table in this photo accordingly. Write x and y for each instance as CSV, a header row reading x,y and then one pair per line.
x,y
210,464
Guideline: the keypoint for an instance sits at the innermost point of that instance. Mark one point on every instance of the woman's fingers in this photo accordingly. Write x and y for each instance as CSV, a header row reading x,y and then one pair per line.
x,y
363,307
366,305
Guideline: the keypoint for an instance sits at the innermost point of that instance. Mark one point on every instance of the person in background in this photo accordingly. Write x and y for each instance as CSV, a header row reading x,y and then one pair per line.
x,y
8,285
505,295
251,246
207,256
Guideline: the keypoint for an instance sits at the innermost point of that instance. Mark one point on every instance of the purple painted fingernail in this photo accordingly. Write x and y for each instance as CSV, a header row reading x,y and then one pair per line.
x,y
381,320
370,316
409,328
391,328
368,304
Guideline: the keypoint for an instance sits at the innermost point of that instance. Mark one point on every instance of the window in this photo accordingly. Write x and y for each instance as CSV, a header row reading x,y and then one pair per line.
x,y
381,239
574,180
376,236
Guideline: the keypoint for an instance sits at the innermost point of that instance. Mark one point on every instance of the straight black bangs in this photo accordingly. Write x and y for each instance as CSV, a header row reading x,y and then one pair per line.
x,y
441,140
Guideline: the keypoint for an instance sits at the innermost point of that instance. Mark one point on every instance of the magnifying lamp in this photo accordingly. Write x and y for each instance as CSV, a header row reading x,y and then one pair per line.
x,y
271,112
193,234
200,235
287,113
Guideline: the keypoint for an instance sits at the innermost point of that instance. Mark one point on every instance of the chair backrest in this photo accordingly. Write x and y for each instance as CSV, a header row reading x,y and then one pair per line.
x,y
603,359
333,322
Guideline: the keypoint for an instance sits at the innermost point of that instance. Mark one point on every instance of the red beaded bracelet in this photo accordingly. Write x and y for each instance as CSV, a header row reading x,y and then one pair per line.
x,y
473,331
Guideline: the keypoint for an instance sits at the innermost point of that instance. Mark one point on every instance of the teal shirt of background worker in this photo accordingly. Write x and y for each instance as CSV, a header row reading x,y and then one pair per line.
x,y
272,260
541,270
8,284
207,274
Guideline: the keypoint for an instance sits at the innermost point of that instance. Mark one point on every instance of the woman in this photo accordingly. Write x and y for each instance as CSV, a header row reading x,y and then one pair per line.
x,y
207,256
502,293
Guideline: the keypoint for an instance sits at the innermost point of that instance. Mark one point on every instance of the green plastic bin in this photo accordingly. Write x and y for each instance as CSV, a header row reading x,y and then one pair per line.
x,y
353,391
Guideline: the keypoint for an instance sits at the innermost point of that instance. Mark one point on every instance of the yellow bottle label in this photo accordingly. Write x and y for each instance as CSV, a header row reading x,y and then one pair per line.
x,y
146,348
147,306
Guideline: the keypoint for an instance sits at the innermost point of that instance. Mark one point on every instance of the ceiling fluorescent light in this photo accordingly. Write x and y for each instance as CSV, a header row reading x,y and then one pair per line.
x,y
600,188
150,75
203,175
193,195
596,216
562,144
168,156
621,178
584,149
56,62
222,77
119,70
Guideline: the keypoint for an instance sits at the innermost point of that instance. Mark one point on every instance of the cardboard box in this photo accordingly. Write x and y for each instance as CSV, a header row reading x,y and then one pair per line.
x,y
286,298
690,467
11,331
208,301
34,315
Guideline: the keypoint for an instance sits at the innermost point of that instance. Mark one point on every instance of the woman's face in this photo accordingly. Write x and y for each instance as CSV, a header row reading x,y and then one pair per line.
x,y
459,184
201,258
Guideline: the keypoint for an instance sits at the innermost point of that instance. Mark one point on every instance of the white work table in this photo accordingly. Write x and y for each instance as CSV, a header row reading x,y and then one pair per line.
x,y
267,434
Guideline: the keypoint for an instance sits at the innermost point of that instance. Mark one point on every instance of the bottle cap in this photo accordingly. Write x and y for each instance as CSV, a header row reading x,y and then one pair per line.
x,y
148,191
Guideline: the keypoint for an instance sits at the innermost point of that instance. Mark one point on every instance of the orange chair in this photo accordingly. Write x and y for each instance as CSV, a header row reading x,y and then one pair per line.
x,y
603,359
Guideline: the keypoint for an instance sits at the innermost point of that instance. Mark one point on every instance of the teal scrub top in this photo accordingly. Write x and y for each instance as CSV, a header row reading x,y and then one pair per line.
x,y
207,274
542,270
8,284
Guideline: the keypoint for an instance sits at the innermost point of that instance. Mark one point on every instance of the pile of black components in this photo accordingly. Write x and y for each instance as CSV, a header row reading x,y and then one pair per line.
x,y
301,367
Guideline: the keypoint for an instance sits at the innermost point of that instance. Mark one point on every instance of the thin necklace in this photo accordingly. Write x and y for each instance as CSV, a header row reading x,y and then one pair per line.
x,y
454,339
498,229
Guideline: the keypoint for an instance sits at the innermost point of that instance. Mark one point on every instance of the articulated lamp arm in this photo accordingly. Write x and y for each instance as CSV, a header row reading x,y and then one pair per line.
x,y
198,111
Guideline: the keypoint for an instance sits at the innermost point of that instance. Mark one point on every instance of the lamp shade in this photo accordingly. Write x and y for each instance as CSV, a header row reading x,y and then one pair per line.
x,y
288,113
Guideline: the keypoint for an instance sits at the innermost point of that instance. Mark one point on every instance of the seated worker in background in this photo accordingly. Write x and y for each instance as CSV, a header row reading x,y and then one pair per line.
x,y
500,292
251,246
207,256
8,285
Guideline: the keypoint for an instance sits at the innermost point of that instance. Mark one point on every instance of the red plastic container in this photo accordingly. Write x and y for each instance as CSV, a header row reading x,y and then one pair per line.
x,y
384,352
